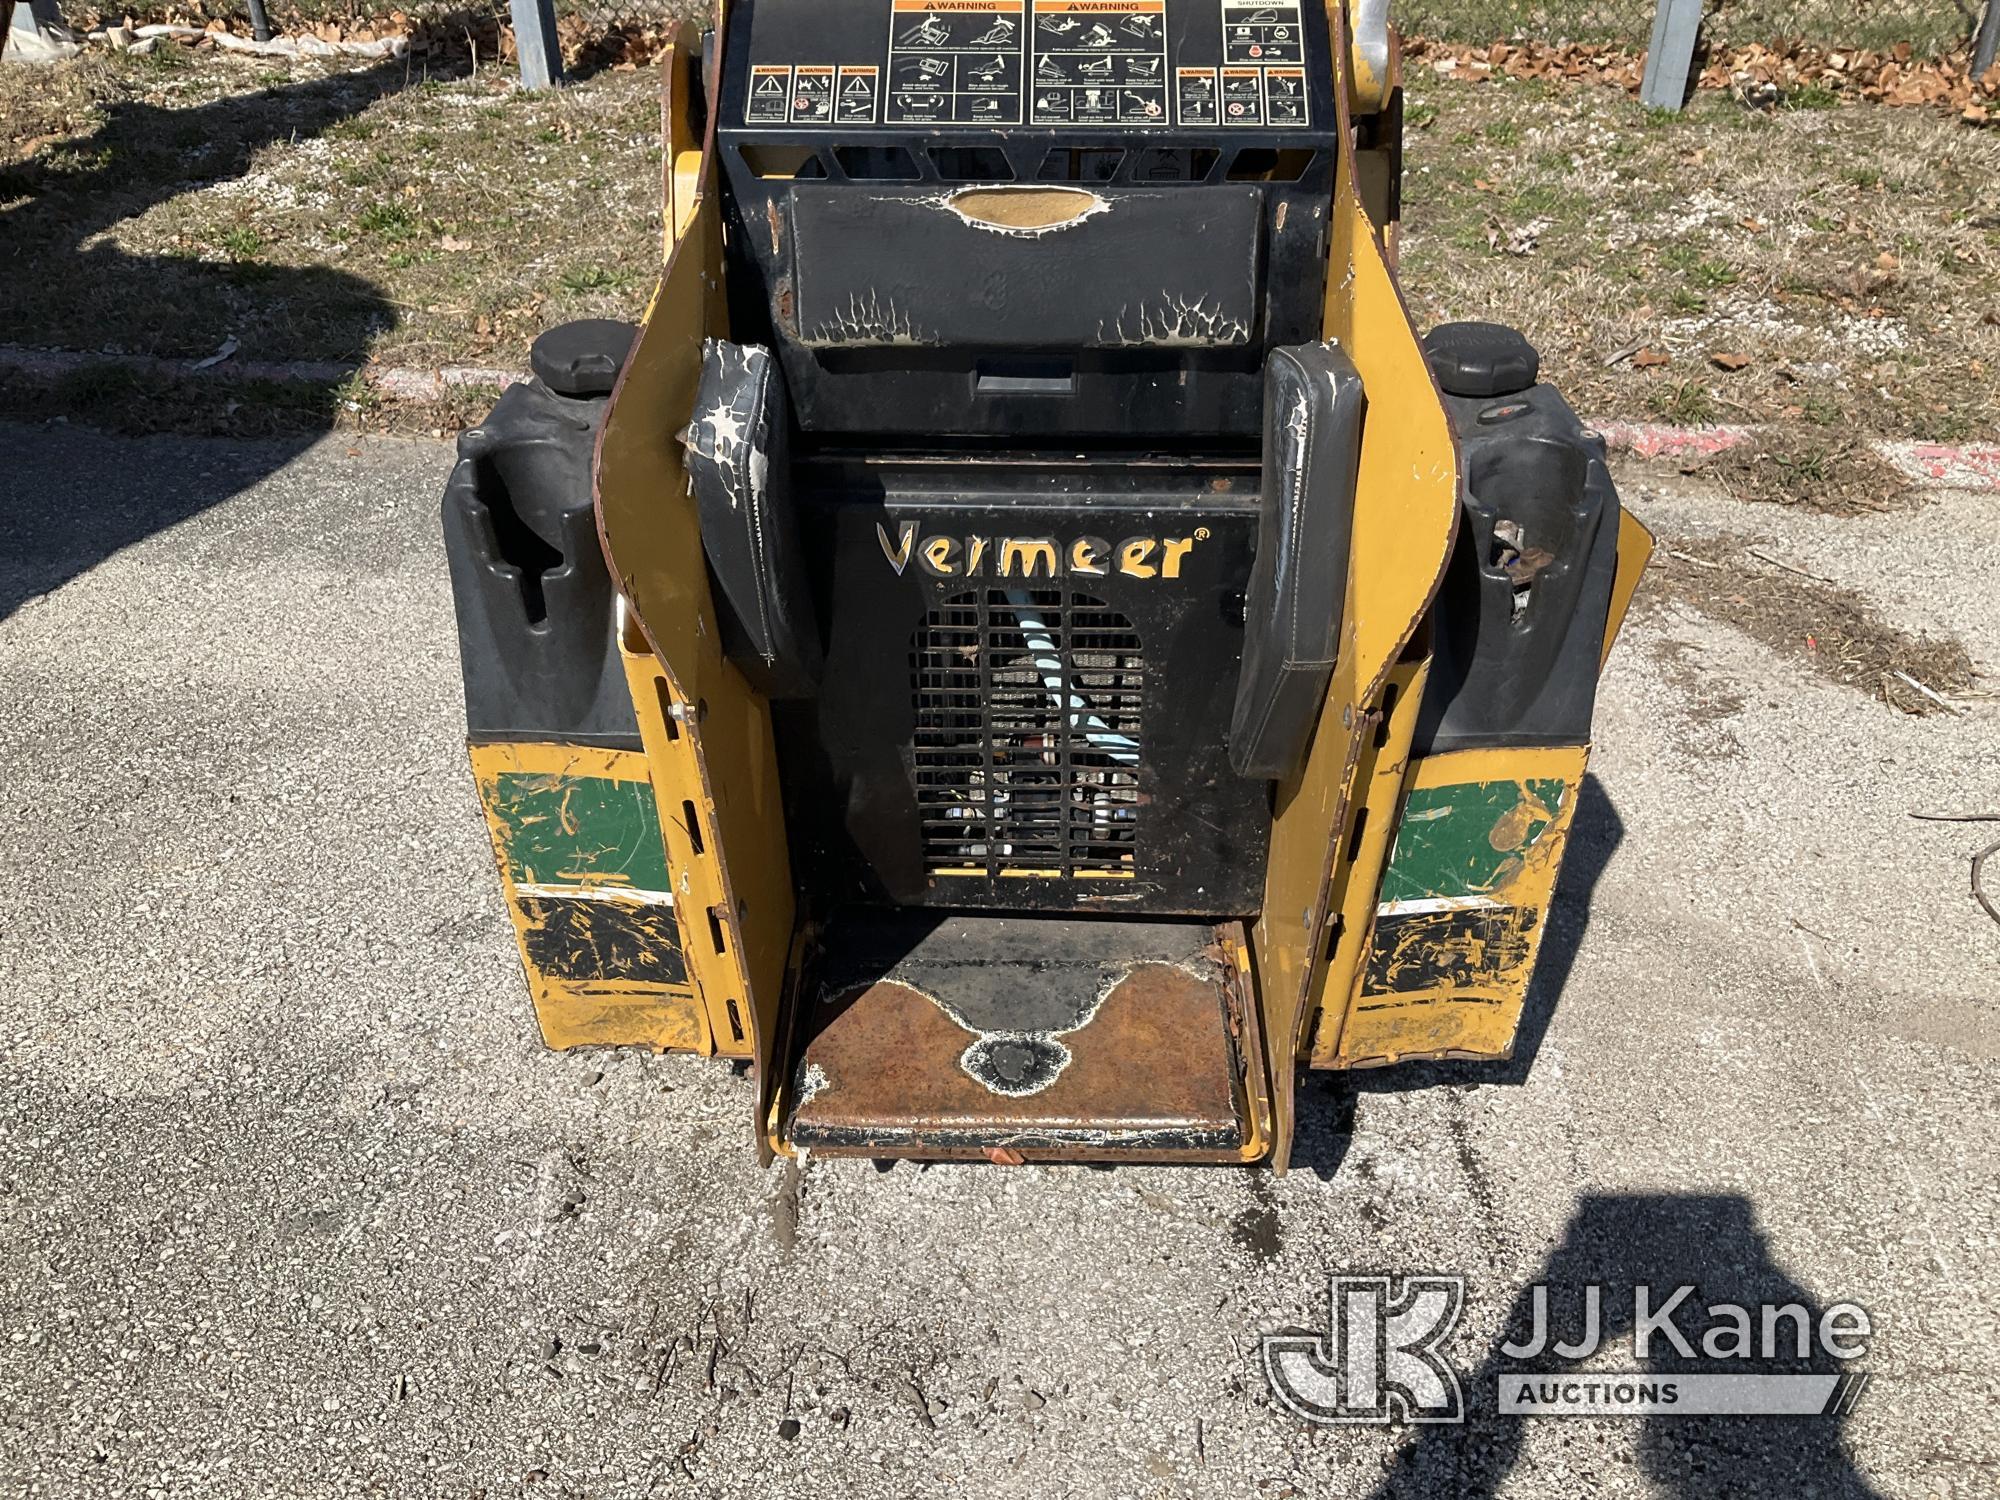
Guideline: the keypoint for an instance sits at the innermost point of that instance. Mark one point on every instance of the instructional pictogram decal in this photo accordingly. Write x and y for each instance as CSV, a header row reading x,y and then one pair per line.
x,y
1285,96
812,95
1261,34
1243,96
770,96
1100,62
855,94
956,62
1197,95
1267,38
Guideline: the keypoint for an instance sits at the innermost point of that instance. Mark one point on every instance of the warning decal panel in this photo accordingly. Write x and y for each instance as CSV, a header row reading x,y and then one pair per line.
x,y
1069,65
956,62
1100,62
1264,76
770,96
812,95
1253,33
855,95
1196,94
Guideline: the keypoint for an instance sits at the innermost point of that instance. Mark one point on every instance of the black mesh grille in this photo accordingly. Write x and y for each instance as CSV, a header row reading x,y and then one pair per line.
x,y
1028,736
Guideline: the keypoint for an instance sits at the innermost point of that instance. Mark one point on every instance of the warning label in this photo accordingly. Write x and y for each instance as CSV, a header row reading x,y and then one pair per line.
x,y
1285,96
855,94
770,96
1254,33
1243,96
1196,95
812,95
1100,62
956,61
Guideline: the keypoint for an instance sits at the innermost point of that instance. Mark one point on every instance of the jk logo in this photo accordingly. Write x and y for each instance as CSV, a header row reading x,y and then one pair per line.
x,y
1379,1360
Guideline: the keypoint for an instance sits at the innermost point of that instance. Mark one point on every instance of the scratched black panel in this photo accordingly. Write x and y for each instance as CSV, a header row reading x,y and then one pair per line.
x,y
897,319
871,798
1242,65
584,941
1099,283
1421,951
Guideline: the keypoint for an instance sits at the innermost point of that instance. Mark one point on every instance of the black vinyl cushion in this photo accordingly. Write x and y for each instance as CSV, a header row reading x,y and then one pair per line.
x,y
739,462
1298,585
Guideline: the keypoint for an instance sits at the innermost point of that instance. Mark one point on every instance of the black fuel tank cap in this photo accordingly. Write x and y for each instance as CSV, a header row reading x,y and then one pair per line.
x,y
1481,359
582,358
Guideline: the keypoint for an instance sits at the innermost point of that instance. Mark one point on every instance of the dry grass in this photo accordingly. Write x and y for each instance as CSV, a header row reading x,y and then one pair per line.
x,y
167,203
1851,252
1832,473
1833,632
318,214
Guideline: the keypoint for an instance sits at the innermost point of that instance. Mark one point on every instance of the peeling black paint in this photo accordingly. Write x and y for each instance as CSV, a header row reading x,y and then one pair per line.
x,y
587,940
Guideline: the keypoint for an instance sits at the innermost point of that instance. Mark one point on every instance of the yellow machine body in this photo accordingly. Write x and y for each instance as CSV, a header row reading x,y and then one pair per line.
x,y
1406,890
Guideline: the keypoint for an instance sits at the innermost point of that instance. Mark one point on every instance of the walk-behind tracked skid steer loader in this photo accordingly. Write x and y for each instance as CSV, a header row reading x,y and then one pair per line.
x,y
1025,646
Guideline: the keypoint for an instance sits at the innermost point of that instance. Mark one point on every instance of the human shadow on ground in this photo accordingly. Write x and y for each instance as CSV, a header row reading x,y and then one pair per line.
x,y
1619,1242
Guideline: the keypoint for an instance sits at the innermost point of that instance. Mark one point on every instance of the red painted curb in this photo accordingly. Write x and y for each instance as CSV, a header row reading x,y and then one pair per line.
x,y
1941,466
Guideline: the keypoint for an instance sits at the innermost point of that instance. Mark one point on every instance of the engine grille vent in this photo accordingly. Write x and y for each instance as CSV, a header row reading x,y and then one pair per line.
x,y
1028,738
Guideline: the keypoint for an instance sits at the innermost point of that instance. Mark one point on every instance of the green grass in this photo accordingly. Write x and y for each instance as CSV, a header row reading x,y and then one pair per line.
x,y
1810,96
242,243
582,279
1686,403
389,221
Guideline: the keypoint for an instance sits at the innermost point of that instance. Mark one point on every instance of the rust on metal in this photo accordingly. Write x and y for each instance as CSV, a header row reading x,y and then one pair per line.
x,y
1151,1072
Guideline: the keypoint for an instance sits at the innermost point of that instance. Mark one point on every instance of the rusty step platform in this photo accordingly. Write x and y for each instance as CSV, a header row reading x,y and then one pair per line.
x,y
931,1035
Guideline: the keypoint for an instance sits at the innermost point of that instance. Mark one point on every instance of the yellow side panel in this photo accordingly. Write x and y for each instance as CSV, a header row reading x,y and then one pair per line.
x,y
726,764
688,826
1380,774
1465,903
576,836
1406,506
1635,550
582,1015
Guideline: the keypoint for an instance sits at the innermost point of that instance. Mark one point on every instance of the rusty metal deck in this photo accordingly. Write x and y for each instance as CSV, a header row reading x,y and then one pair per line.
x,y
1025,1038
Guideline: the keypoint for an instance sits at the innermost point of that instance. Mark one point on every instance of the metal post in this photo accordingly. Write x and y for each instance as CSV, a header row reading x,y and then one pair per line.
x,y
260,21
1671,56
1986,50
535,41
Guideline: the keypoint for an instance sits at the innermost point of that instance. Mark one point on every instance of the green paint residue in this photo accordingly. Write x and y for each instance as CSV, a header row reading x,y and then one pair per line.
x,y
1465,839
581,830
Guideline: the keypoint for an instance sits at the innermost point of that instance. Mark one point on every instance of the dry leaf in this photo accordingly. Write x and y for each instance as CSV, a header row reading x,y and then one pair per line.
x,y
1729,361
1651,359
452,242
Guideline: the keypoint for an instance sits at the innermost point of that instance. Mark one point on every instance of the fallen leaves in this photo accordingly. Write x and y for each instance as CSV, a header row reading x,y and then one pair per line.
x,y
1651,359
1724,361
1760,75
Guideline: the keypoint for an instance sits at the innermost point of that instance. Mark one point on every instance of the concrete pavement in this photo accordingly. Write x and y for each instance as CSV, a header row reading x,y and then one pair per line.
x,y
292,1201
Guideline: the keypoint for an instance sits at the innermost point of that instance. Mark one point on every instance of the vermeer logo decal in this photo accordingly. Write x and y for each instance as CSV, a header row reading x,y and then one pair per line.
x,y
1036,556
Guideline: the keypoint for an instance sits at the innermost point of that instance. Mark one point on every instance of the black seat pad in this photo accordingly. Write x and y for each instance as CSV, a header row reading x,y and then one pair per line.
x,y
1298,584
739,463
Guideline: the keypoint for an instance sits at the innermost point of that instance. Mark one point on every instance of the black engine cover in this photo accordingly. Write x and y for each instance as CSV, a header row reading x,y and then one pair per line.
x,y
1028,672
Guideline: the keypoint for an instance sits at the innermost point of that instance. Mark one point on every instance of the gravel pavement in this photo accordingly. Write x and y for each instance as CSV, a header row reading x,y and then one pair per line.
x,y
293,1202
